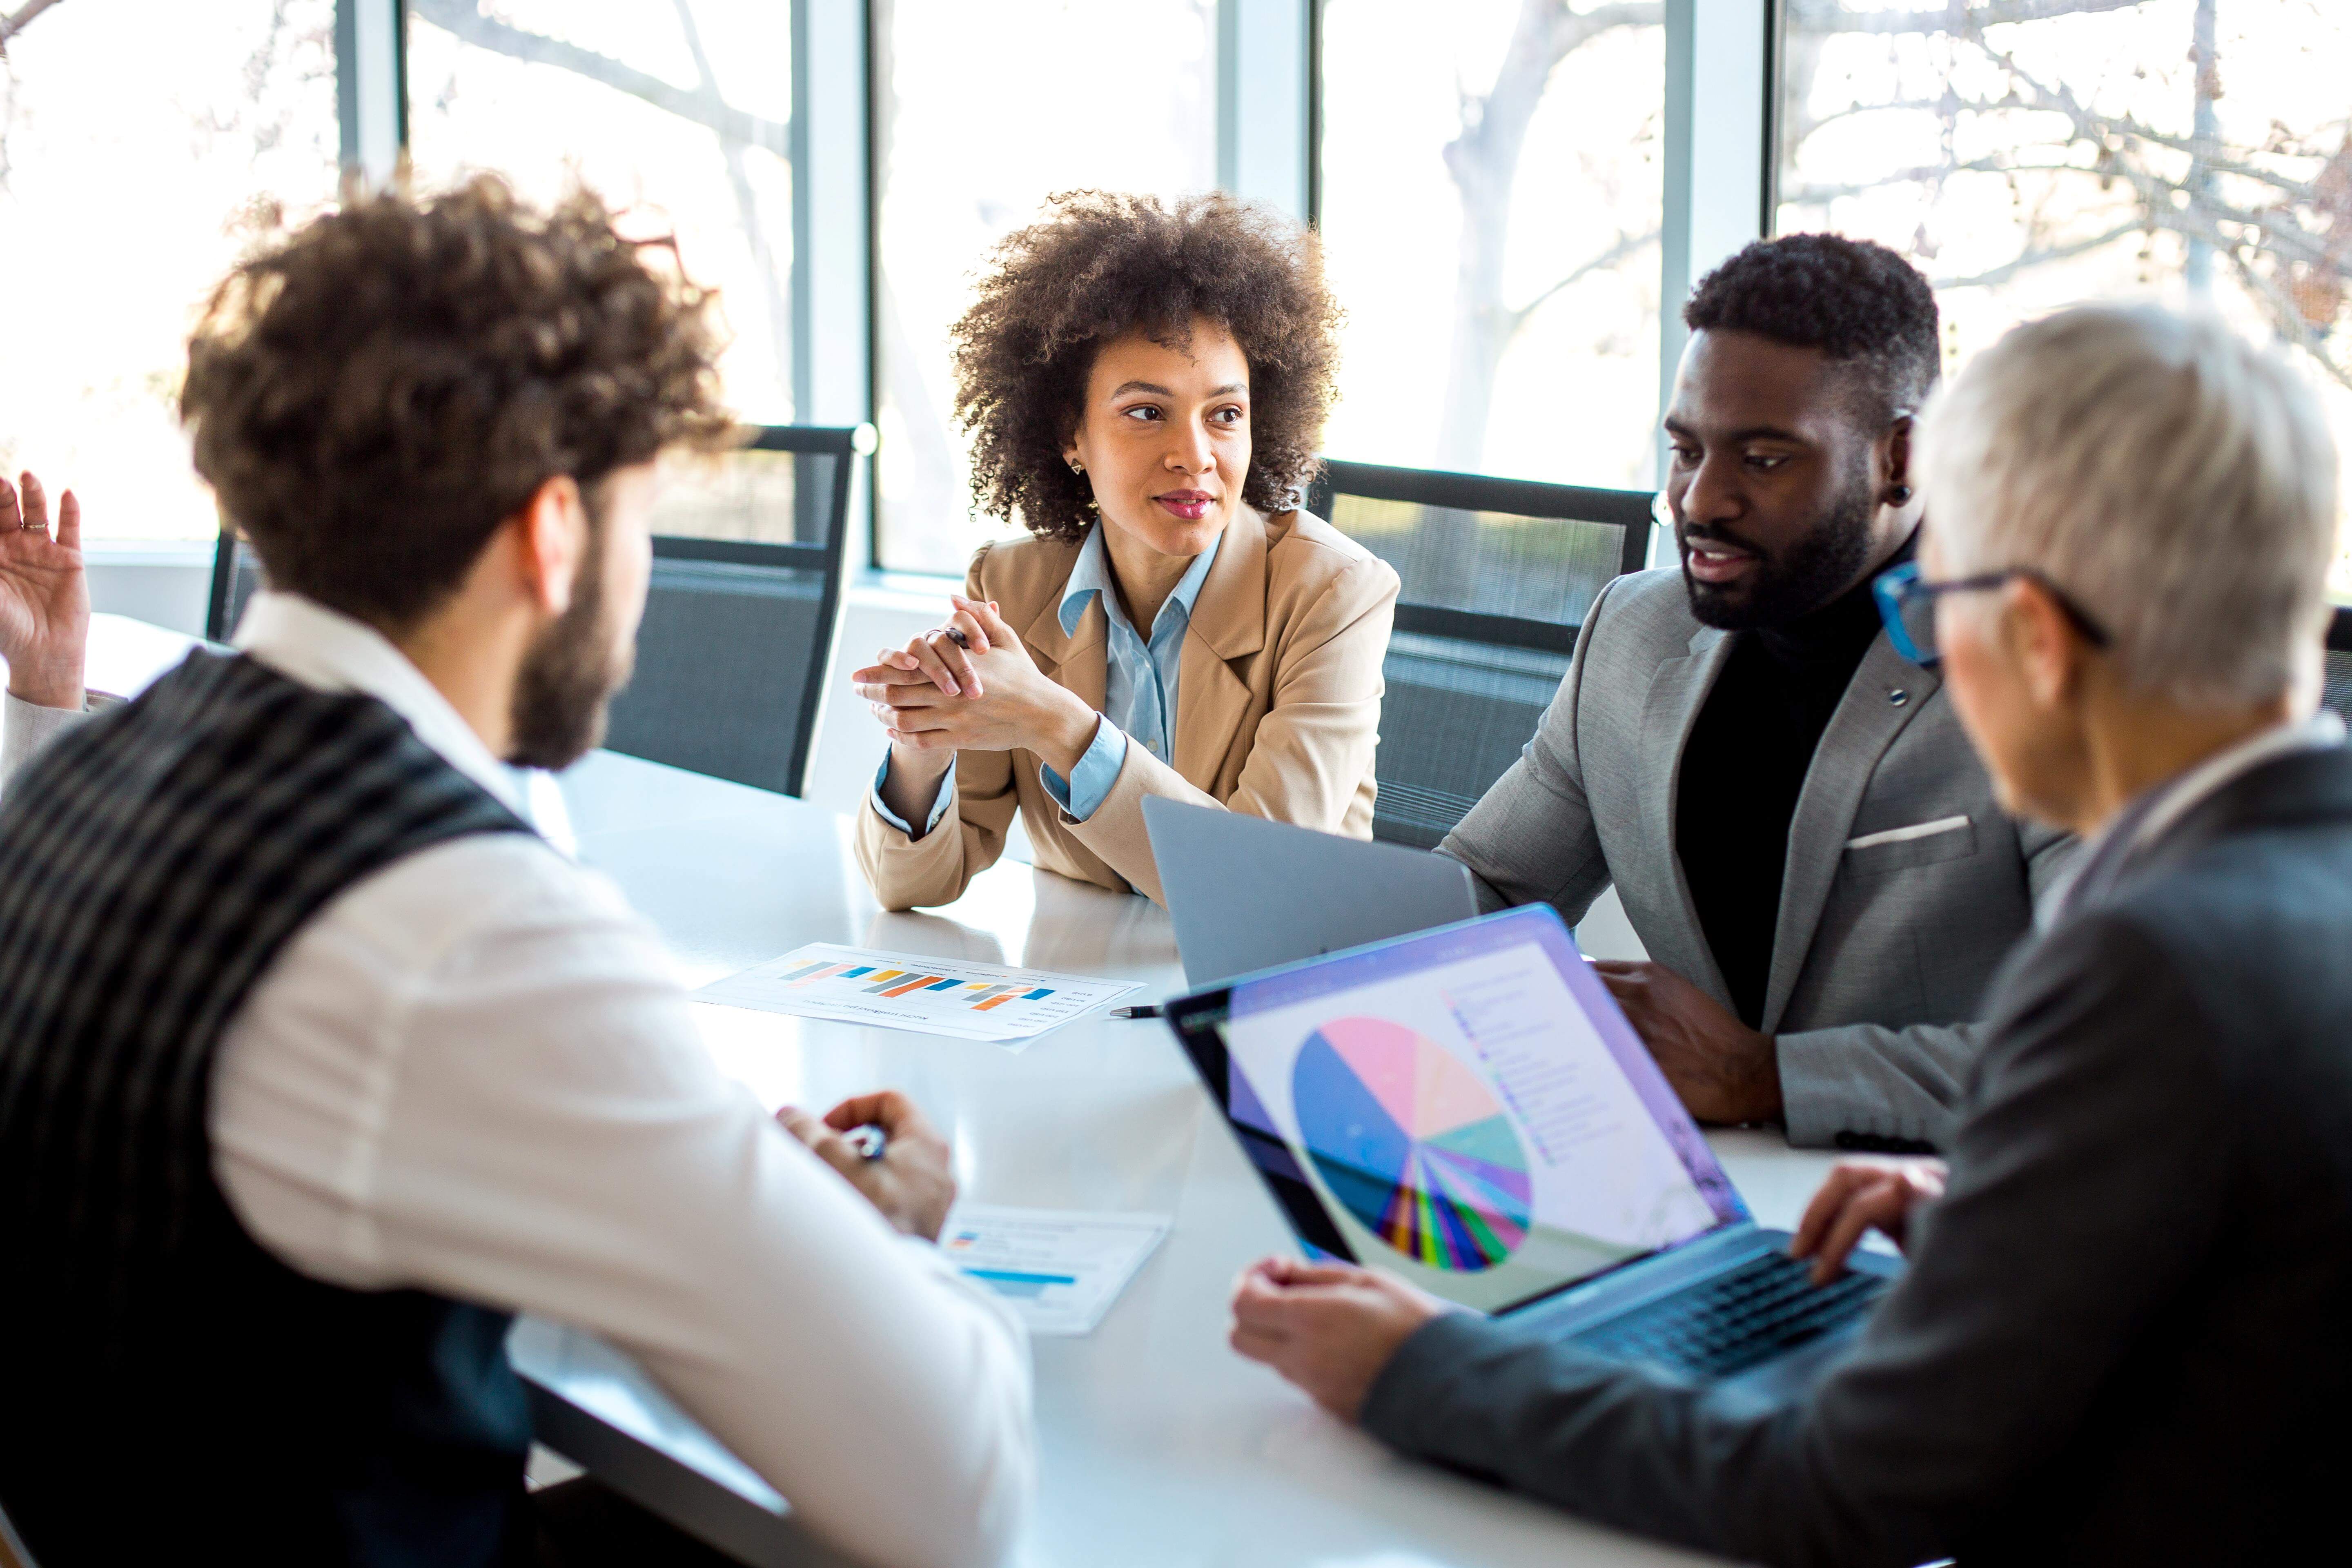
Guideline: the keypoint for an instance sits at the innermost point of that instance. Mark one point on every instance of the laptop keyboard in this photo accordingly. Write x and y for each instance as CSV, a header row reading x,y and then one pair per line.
x,y
1725,1325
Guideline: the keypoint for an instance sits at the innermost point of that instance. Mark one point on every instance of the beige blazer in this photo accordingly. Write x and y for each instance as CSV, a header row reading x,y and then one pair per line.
x,y
1277,711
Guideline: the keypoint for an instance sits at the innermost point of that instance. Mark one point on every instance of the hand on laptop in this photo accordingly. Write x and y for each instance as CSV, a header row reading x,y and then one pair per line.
x,y
1861,1196
1725,1071
909,1181
1329,1327
44,598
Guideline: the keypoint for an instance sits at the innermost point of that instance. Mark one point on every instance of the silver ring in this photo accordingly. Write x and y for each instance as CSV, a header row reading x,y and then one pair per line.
x,y
955,635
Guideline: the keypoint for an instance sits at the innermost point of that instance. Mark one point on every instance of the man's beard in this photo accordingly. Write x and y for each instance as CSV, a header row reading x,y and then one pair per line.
x,y
569,673
1806,577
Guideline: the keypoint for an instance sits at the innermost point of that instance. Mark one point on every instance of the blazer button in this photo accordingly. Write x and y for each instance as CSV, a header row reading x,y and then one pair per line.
x,y
1898,696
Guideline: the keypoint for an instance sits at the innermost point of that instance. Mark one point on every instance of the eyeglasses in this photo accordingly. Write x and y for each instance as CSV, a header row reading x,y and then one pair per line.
x,y
1907,605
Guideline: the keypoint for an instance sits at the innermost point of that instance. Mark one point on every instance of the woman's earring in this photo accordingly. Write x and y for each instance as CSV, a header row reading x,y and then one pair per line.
x,y
1900,495
1077,467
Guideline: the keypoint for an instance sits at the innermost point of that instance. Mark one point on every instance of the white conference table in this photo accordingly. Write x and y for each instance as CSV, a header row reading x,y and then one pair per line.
x,y
1157,1445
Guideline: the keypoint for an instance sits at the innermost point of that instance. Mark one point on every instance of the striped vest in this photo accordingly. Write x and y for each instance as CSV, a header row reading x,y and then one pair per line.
x,y
168,1389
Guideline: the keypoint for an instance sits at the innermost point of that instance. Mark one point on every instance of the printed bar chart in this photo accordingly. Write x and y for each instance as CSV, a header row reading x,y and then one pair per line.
x,y
971,1001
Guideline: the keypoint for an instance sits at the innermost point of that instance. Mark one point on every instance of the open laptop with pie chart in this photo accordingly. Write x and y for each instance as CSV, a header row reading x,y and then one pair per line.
x,y
1467,1110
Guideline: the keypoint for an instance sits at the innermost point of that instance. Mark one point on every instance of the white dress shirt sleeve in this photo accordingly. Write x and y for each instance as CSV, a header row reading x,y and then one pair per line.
x,y
476,1073
25,728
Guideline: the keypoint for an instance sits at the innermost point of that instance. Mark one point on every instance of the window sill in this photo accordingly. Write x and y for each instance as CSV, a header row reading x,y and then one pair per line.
x,y
194,553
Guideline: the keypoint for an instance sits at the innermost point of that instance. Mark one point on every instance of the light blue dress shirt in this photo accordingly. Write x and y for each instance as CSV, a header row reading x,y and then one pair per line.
x,y
1139,685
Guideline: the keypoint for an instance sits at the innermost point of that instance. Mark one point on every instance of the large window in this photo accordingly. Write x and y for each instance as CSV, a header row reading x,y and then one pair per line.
x,y
2191,150
1491,197
981,112
143,145
678,113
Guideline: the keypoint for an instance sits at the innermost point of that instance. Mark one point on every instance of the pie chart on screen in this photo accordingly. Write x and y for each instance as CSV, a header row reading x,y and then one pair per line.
x,y
1411,1140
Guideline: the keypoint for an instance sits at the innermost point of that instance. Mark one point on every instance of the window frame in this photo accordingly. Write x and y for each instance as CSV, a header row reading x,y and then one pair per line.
x,y
1721,70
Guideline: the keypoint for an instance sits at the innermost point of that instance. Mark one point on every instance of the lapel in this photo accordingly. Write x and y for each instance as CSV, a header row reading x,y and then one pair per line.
x,y
1865,725
1677,692
1078,660
1228,623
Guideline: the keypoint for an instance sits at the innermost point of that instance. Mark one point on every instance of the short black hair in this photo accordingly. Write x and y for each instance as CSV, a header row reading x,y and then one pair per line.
x,y
1859,304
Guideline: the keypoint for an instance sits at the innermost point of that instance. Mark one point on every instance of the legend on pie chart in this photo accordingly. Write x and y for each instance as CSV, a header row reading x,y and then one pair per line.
x,y
1413,1142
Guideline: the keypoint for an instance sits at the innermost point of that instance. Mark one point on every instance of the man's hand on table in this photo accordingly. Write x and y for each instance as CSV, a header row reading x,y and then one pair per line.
x,y
1725,1071
43,596
1330,1328
1862,1195
909,1181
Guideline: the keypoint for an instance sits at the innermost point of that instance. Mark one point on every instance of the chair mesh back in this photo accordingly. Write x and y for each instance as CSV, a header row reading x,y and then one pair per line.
x,y
739,619
725,655
1496,576
1487,563
2337,691
236,577
1455,718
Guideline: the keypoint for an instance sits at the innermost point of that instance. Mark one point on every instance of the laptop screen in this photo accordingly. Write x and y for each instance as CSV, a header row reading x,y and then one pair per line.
x,y
1466,1109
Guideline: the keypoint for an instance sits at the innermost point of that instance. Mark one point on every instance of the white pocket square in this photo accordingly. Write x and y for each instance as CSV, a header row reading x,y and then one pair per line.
x,y
1903,834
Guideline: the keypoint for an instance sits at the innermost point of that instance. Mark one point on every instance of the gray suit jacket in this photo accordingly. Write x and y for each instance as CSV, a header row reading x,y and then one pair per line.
x,y
2121,1338
1906,883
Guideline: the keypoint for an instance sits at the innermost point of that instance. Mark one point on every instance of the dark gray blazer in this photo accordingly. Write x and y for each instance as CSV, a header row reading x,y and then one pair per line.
x,y
1906,884
2125,1332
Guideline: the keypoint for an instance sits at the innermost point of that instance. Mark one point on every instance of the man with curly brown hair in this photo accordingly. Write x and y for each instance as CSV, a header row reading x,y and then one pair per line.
x,y
316,1065
1145,386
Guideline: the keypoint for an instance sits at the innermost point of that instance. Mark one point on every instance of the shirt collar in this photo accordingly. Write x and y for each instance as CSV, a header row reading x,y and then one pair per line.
x,y
2155,811
328,651
1091,573
2174,799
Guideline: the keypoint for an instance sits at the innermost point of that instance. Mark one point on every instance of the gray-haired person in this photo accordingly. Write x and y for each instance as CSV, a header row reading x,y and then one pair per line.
x,y
2121,1337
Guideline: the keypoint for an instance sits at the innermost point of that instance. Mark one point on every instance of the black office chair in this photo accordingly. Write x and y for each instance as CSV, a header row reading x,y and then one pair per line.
x,y
2337,691
237,576
1497,574
739,619
738,624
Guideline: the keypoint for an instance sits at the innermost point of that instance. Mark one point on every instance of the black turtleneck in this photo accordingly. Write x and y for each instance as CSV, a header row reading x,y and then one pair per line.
x,y
1745,767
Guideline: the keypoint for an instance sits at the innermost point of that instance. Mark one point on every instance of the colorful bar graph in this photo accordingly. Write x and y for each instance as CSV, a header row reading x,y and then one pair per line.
x,y
861,969
944,985
920,983
805,968
884,981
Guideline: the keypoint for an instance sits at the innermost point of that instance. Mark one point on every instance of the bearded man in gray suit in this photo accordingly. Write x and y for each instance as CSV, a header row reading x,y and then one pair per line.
x,y
1802,839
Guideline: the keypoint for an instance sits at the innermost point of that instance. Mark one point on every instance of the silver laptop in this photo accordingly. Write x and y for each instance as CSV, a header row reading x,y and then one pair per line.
x,y
1468,1110
1246,894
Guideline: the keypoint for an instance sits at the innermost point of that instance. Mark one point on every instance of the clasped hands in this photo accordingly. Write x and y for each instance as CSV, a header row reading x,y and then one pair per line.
x,y
936,697
1333,1328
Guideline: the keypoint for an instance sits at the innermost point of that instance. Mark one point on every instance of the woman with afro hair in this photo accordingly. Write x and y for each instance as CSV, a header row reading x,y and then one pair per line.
x,y
1145,387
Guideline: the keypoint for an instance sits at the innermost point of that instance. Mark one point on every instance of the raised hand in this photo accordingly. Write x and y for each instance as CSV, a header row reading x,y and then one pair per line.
x,y
44,595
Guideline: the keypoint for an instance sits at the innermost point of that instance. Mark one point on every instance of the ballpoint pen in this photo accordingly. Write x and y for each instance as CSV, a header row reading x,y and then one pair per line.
x,y
1140,1010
